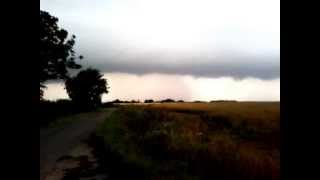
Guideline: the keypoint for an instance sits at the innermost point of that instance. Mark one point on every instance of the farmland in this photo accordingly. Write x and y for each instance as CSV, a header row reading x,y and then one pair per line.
x,y
219,140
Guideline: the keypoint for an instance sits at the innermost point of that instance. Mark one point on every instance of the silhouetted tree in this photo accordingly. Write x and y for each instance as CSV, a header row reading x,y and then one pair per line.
x,y
117,101
56,50
167,101
135,101
221,101
197,101
149,101
86,88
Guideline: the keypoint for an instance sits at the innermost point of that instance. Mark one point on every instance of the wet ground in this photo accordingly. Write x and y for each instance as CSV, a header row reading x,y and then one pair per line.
x,y
81,164
66,152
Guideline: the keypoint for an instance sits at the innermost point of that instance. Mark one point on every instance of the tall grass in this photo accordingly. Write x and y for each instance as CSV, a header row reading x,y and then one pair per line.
x,y
168,142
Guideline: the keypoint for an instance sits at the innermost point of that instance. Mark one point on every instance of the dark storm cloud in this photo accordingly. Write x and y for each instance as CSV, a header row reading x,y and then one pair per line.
x,y
244,41
235,69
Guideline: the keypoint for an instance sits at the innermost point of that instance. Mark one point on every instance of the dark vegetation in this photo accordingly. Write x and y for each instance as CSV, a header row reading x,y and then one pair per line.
x,y
86,88
148,101
167,101
219,101
117,101
51,110
199,101
57,57
56,51
108,104
162,143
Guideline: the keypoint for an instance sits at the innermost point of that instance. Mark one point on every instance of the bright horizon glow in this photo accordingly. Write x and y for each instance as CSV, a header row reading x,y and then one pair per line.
x,y
161,86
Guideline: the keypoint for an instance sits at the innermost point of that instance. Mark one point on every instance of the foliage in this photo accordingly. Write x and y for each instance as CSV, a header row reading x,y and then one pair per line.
x,y
167,101
49,111
56,50
148,101
86,88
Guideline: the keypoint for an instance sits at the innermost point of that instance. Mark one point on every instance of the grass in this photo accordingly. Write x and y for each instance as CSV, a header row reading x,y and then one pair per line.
x,y
225,140
60,122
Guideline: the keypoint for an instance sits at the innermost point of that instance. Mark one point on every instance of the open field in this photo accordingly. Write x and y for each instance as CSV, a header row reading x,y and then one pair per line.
x,y
222,140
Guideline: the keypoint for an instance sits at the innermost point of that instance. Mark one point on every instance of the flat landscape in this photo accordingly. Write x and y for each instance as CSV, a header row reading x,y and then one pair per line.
x,y
223,140
159,90
219,140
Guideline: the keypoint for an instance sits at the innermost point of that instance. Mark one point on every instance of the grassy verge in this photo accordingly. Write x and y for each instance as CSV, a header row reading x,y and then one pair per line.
x,y
61,122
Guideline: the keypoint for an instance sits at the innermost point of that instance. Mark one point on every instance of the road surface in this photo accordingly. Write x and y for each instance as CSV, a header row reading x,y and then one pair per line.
x,y
56,143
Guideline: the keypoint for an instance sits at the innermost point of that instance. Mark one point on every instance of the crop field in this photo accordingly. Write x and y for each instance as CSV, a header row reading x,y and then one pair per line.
x,y
220,140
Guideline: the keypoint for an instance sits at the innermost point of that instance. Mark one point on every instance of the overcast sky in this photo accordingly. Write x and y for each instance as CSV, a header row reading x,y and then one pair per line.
x,y
234,39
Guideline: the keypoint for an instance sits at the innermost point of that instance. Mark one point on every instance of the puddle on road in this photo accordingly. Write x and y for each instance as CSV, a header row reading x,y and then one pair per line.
x,y
79,164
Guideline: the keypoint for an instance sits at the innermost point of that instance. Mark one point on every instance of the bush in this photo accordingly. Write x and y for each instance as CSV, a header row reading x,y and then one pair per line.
x,y
223,101
148,101
51,110
116,101
199,102
167,101
107,104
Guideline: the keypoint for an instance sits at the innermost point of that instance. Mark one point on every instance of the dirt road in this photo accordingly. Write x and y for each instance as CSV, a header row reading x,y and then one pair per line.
x,y
55,143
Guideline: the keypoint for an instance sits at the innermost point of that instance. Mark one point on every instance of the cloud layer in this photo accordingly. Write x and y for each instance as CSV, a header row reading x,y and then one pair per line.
x,y
202,38
236,68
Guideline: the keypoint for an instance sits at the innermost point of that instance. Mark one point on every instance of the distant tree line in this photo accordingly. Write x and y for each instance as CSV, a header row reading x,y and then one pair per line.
x,y
219,101
147,101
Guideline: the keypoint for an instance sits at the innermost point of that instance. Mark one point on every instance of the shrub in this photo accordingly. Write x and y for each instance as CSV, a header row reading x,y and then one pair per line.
x,y
49,111
167,101
107,104
148,101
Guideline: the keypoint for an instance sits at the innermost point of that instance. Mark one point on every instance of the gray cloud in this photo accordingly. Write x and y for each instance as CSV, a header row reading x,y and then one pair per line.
x,y
207,38
237,68
138,38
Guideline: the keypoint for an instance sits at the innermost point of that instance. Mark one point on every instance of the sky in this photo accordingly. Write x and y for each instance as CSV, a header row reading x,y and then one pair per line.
x,y
183,49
